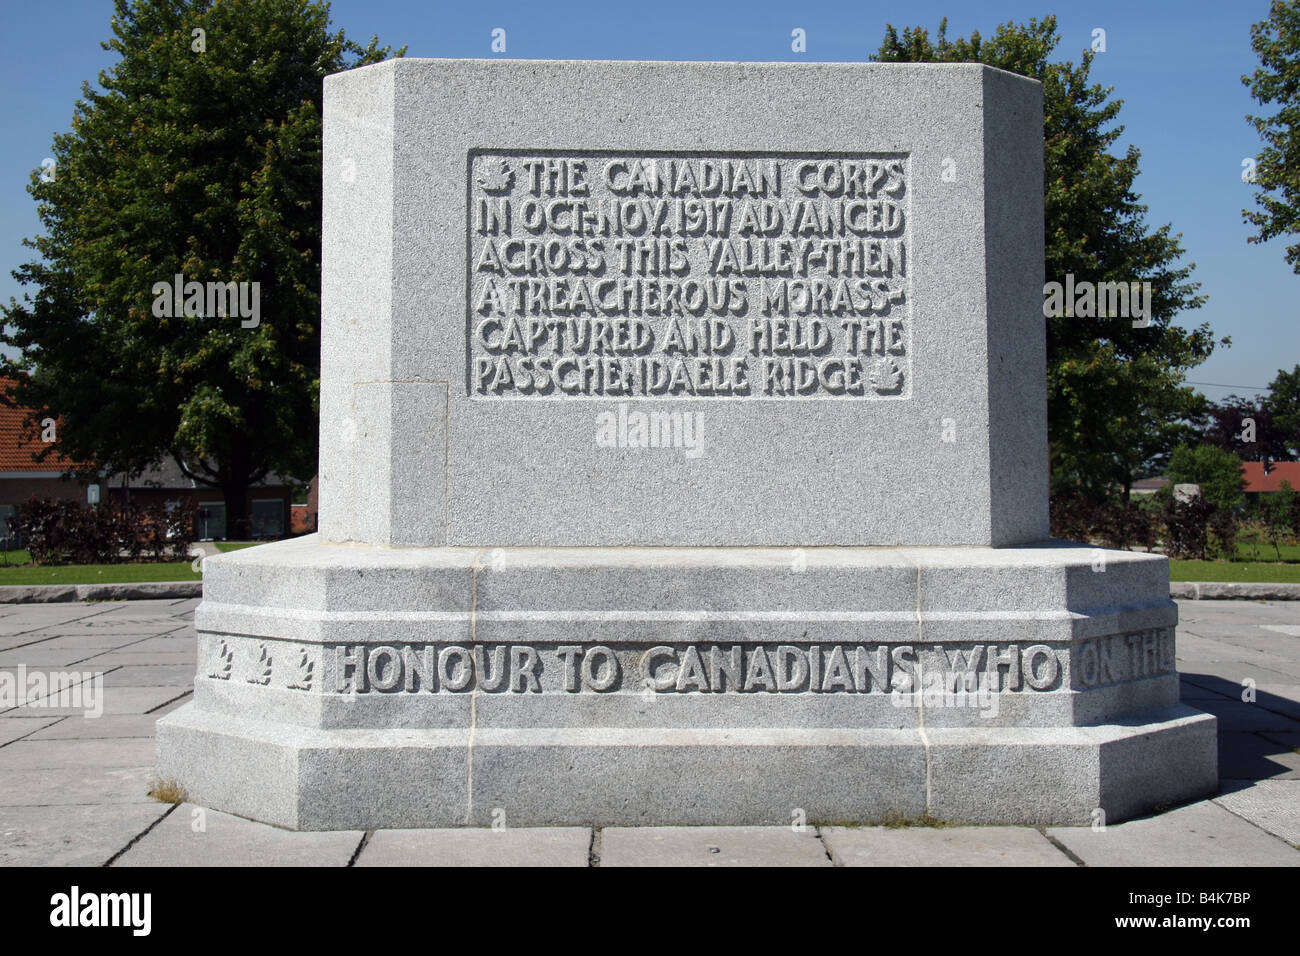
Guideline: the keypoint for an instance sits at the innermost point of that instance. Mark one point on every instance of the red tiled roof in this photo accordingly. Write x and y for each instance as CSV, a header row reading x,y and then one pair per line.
x,y
1278,471
18,453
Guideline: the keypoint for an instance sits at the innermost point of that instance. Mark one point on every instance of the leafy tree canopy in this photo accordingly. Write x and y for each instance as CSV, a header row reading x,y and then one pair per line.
x,y
1284,405
1218,472
1117,402
198,155
1276,83
1259,429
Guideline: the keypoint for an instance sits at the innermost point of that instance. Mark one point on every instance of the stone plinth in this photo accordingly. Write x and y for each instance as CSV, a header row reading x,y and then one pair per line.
x,y
922,182
362,687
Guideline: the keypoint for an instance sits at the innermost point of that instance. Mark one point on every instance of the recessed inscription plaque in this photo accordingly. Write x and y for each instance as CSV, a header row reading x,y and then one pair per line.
x,y
687,275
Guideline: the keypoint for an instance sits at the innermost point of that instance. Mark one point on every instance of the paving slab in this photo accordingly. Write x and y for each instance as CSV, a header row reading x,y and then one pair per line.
x,y
1231,687
193,836
102,626
104,641
10,641
60,691
942,846
117,700
95,728
1290,630
29,669
1282,612
1263,641
1193,694
1291,741
181,656
1235,663
171,705
1246,756
480,846
52,754
168,643
71,836
30,617
65,786
1244,626
711,846
1272,805
137,606
1237,715
1280,698
1223,675
1201,834
52,657
1190,639
1268,667
180,676
15,728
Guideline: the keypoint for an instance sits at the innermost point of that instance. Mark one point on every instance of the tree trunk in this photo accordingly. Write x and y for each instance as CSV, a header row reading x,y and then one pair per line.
x,y
236,495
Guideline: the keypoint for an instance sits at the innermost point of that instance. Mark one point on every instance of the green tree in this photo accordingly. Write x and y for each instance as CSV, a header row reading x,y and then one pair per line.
x,y
1275,511
1276,82
1218,472
1117,402
198,155
1284,404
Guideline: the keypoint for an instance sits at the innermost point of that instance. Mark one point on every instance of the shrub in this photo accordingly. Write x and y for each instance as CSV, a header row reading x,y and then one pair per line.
x,y
68,532
1276,513
1122,524
1115,523
1072,517
1187,527
1218,472
1224,526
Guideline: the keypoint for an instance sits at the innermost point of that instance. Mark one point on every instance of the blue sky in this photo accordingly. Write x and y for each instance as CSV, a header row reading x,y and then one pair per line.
x,y
1176,65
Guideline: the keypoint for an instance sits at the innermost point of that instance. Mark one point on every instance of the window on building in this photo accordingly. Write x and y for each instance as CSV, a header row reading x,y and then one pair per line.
x,y
8,538
212,520
266,519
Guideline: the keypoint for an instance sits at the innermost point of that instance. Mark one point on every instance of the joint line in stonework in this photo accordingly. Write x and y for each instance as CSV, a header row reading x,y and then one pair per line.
x,y
473,696
920,711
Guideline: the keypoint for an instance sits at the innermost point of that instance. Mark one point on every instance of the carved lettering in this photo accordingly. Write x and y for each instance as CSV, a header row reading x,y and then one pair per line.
x,y
669,276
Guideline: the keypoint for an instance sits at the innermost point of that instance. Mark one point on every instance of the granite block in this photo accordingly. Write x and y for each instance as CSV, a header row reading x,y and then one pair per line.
x,y
423,156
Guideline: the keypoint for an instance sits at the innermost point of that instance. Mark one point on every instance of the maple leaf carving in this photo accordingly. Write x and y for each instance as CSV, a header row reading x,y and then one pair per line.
x,y
223,663
305,672
497,178
261,665
886,376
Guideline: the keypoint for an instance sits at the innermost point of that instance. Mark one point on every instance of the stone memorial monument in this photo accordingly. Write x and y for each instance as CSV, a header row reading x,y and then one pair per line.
x,y
683,461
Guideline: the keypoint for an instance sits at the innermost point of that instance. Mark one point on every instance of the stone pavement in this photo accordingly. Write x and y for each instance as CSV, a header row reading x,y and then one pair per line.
x,y
73,788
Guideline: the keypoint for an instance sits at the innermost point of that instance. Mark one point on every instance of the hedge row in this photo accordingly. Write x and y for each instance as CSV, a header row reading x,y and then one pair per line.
x,y
57,531
1185,529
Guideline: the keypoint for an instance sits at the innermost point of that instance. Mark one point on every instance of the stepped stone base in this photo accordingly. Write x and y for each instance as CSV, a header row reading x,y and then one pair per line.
x,y
346,686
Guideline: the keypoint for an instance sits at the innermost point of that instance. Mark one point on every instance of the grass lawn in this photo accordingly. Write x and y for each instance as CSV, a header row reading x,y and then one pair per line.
x,y
224,546
19,571
99,573
1266,553
1248,571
